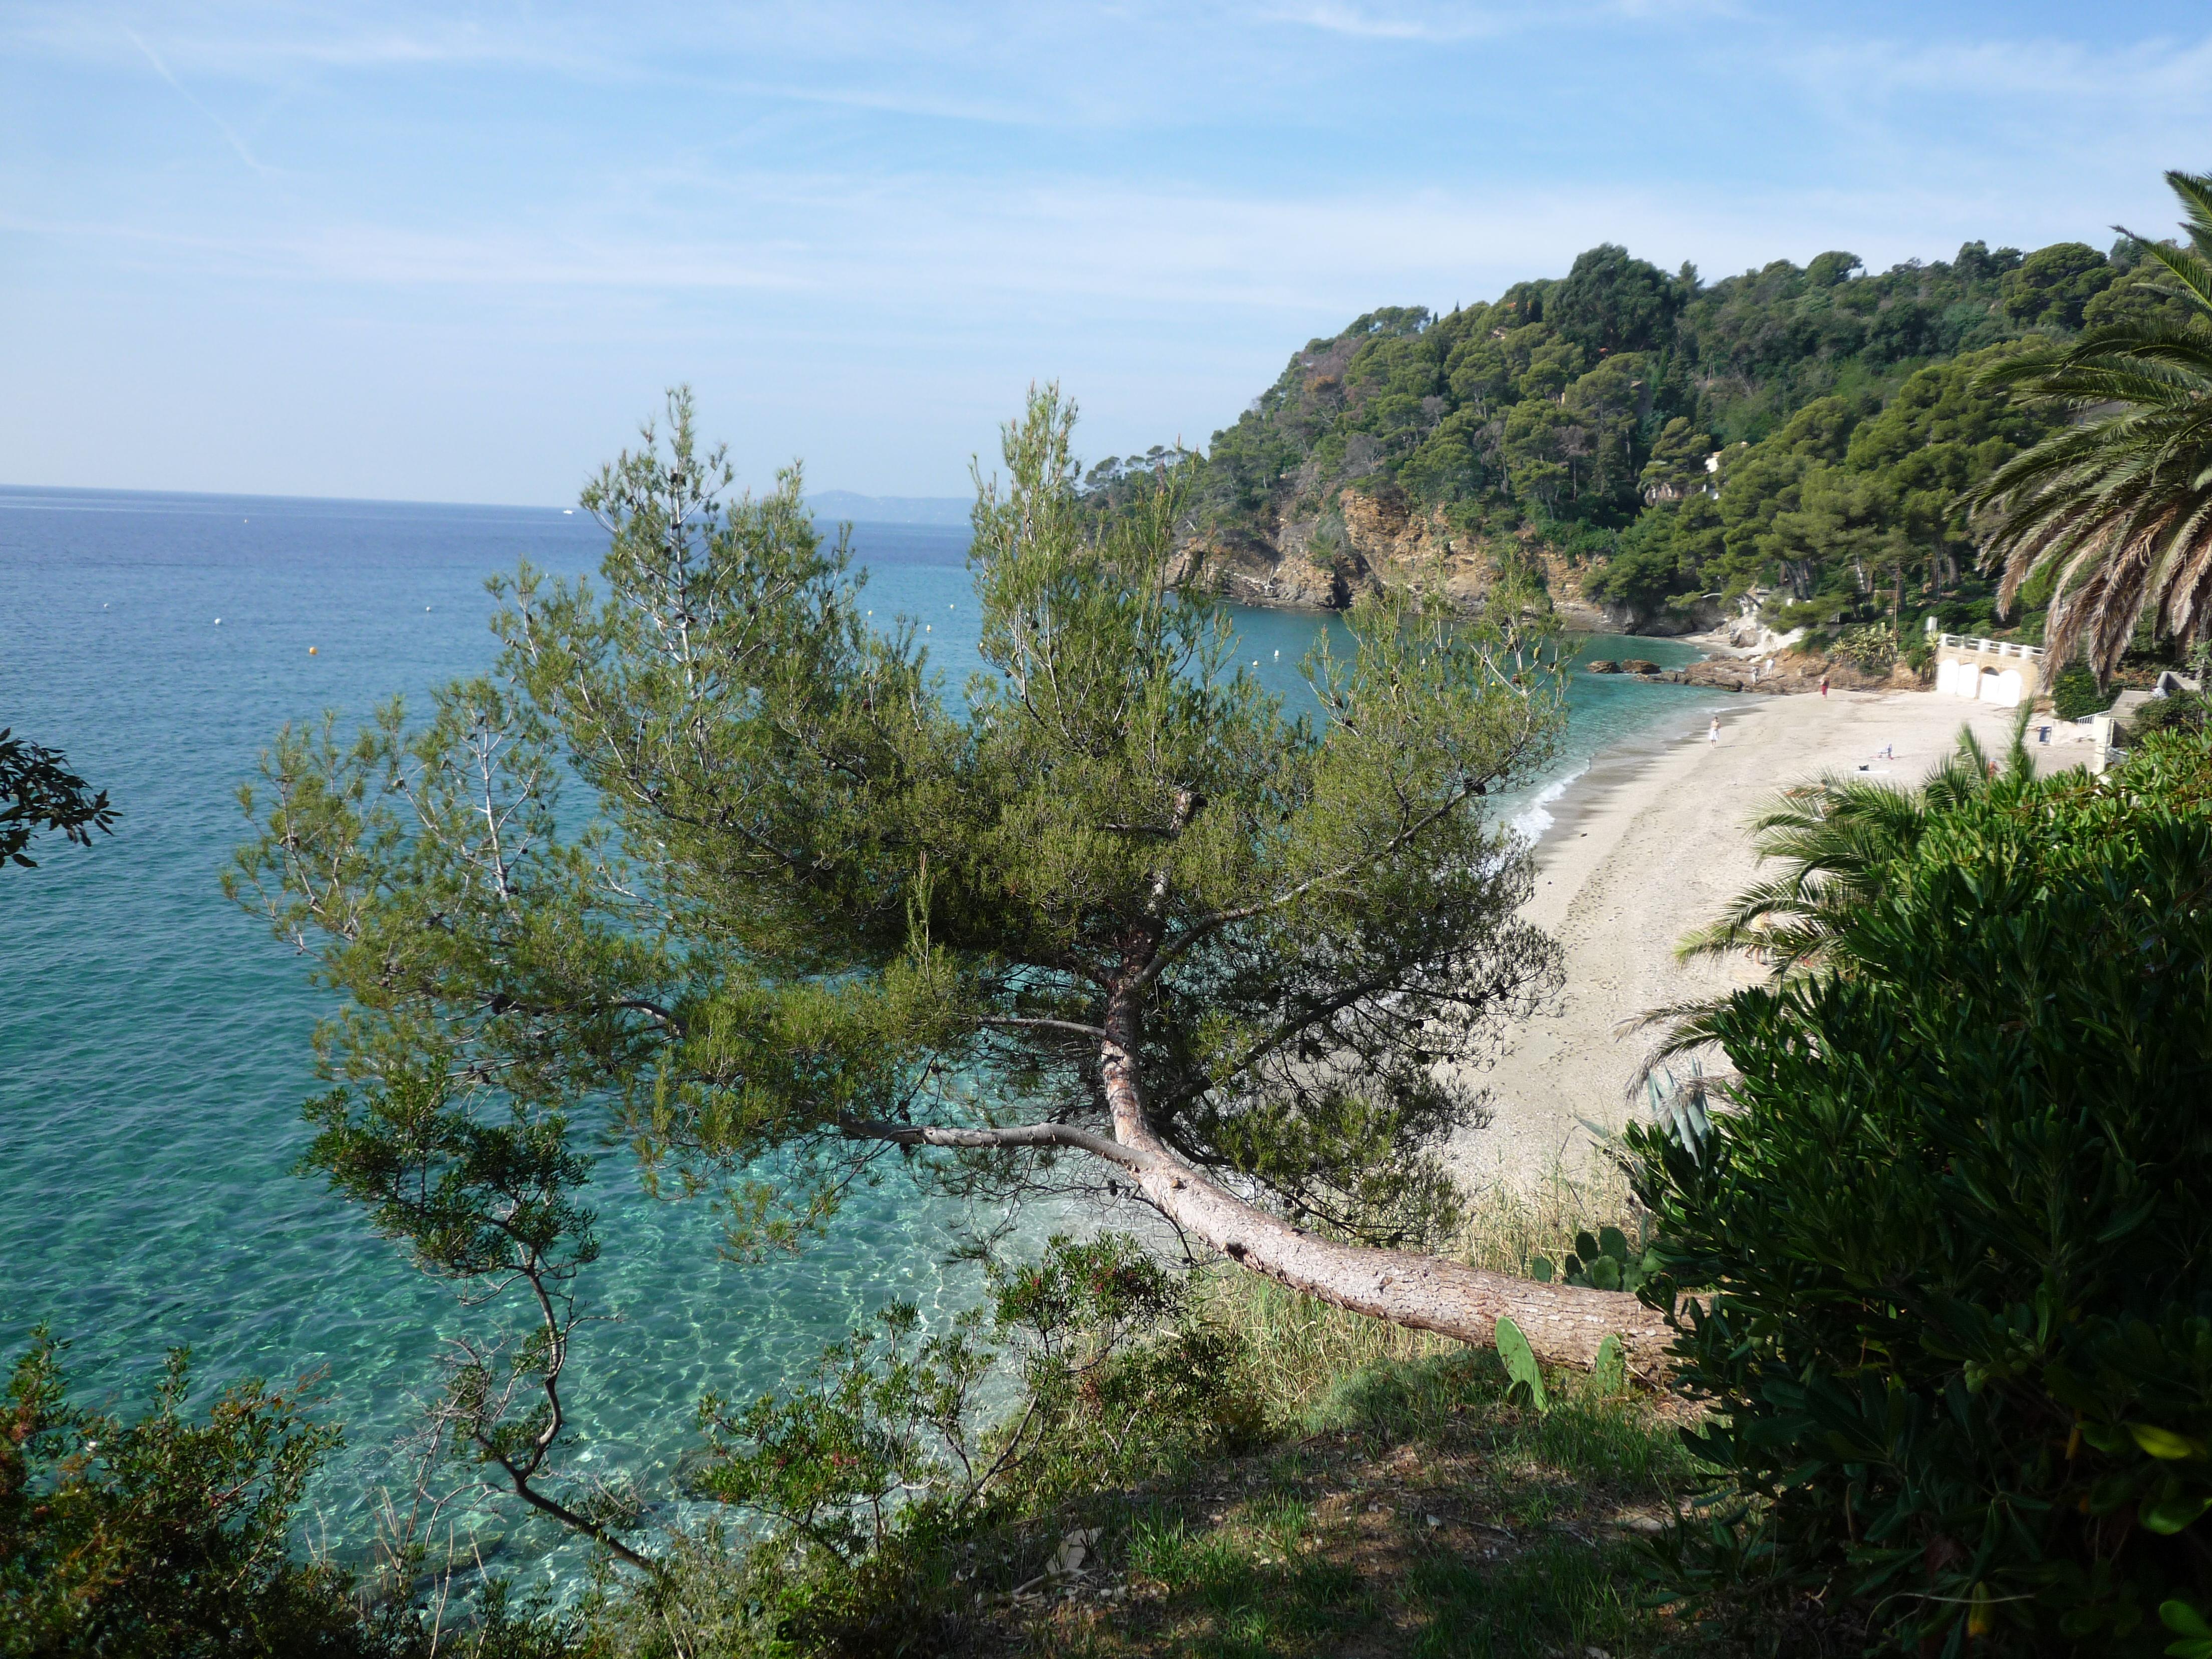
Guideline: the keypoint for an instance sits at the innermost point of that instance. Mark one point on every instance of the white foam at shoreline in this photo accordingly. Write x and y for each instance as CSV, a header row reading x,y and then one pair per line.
x,y
1532,821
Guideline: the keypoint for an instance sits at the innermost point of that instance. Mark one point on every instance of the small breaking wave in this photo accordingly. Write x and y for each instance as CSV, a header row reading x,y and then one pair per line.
x,y
1531,821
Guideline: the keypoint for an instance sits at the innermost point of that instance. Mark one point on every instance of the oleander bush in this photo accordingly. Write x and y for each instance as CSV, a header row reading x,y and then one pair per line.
x,y
1942,1261
2075,695
2183,711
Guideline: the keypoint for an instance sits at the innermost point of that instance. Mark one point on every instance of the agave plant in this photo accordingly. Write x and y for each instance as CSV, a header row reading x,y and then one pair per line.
x,y
2118,503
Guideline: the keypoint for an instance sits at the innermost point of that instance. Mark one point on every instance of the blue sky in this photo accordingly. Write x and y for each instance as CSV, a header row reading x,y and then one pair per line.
x,y
455,253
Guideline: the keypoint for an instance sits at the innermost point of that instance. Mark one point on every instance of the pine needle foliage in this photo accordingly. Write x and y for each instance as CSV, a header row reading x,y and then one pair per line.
x,y
812,918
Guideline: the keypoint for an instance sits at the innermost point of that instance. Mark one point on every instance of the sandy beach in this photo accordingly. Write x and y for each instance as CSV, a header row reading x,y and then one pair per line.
x,y
1644,846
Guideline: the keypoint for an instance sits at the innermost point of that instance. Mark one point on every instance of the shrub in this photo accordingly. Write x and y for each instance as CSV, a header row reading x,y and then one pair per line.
x,y
1872,648
173,1537
2075,695
161,1536
867,1496
2180,712
1943,1262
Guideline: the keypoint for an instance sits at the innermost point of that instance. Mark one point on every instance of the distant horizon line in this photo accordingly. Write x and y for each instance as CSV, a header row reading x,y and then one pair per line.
x,y
938,508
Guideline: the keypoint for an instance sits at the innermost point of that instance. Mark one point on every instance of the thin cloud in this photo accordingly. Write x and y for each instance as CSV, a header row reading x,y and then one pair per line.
x,y
2085,123
238,145
2006,69
960,247
1371,23
1159,202
1448,23
255,43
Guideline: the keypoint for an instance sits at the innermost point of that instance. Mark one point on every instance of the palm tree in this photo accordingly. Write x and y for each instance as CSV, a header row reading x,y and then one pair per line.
x,y
1838,840
2119,503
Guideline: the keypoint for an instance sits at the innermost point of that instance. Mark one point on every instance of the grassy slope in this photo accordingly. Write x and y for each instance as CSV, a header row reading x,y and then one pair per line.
x,y
1400,1501
1416,1510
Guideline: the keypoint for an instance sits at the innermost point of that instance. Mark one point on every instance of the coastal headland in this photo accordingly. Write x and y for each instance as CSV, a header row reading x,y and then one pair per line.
x,y
1646,845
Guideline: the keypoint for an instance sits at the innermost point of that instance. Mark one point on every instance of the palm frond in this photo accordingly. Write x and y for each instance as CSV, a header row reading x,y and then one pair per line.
x,y
2114,505
1836,841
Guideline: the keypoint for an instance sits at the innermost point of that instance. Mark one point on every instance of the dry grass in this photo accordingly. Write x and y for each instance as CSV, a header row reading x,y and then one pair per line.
x,y
1302,1347
1506,1226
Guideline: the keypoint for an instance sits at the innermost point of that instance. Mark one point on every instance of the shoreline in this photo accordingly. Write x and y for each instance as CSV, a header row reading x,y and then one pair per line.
x,y
1647,843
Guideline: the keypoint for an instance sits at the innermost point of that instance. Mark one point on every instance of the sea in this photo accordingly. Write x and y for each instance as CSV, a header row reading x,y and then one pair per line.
x,y
154,1038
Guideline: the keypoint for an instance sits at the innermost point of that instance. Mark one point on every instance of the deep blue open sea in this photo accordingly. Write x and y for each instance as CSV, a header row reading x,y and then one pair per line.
x,y
154,1039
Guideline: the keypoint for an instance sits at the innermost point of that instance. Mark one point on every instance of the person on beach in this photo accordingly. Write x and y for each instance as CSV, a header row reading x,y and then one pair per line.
x,y
1713,734
1823,685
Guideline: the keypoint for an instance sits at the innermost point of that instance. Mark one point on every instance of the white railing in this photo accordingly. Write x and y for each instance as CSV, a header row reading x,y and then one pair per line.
x,y
1991,648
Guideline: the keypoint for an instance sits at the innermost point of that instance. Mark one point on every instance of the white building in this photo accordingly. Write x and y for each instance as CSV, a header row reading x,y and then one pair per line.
x,y
1997,671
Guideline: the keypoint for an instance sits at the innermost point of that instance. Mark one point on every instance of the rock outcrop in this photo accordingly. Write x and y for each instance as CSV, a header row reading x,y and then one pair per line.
x,y
1790,670
1324,561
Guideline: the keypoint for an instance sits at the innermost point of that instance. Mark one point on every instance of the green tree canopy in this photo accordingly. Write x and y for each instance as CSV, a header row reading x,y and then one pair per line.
x,y
2054,285
1611,301
1117,906
38,792
1487,418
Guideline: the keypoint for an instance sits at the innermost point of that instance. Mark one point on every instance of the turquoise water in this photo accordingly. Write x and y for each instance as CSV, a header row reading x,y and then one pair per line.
x,y
154,1039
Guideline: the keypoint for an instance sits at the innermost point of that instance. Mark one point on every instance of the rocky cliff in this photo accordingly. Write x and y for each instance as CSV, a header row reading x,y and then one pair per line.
x,y
1323,560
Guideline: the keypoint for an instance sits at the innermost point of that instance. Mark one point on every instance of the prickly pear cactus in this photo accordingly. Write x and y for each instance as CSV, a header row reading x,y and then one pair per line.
x,y
1521,1363
1606,1261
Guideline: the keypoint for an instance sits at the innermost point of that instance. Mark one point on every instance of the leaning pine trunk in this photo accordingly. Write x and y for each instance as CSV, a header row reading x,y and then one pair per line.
x,y
1565,1324
1562,1323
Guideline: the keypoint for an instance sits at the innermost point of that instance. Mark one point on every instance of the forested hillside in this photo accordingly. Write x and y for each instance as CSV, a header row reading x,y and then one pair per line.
x,y
1661,444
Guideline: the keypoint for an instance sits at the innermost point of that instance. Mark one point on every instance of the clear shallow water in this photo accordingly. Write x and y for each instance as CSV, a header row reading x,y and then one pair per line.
x,y
154,1039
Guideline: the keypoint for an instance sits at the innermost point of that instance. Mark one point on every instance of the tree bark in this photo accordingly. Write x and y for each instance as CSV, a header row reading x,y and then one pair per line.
x,y
1565,1324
